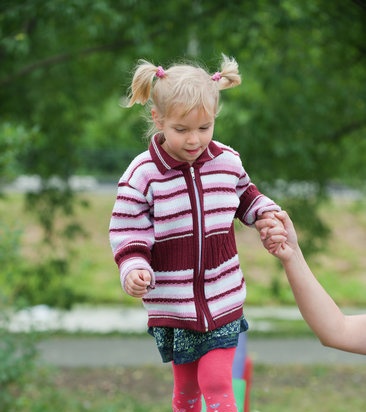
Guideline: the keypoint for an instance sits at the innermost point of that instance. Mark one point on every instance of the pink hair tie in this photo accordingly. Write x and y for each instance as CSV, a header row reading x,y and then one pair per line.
x,y
160,72
216,77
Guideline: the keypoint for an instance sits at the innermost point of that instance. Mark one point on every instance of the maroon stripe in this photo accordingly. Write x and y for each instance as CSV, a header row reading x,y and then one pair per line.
x,y
187,232
221,209
223,172
247,199
173,215
167,300
119,214
171,194
219,190
230,150
159,180
228,292
221,275
130,199
131,229
174,282
244,186
139,165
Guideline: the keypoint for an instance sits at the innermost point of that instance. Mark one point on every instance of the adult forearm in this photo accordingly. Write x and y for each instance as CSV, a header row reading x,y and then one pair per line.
x,y
316,306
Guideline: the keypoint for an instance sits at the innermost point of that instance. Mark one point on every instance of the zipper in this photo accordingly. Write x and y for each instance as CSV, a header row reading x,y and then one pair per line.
x,y
199,219
200,231
193,175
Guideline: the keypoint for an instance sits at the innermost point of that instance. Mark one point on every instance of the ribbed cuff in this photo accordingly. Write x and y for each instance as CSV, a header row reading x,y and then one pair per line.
x,y
135,264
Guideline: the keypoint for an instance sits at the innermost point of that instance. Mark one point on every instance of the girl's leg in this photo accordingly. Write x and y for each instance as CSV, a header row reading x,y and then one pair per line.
x,y
186,394
215,380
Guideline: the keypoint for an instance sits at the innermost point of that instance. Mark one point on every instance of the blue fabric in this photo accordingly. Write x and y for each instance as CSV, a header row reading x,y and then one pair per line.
x,y
184,346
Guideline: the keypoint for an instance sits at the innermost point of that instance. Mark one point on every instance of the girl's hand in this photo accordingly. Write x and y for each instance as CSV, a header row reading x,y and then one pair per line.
x,y
273,234
137,283
272,231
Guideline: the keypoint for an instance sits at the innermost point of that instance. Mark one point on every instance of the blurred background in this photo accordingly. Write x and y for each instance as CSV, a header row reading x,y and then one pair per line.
x,y
298,120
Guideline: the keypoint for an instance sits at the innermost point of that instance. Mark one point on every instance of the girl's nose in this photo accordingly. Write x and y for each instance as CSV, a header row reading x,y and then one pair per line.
x,y
192,138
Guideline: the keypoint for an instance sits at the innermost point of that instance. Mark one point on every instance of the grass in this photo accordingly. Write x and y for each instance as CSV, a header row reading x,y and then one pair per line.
x,y
94,274
138,389
275,388
306,388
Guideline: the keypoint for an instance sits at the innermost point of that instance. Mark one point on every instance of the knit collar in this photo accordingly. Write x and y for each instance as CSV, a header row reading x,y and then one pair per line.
x,y
165,162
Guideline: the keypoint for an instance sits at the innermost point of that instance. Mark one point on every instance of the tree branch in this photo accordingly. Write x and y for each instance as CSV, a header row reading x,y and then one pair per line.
x,y
361,3
59,58
347,129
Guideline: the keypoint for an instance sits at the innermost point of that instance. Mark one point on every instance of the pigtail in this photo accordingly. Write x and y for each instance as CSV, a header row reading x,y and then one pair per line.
x,y
141,83
229,75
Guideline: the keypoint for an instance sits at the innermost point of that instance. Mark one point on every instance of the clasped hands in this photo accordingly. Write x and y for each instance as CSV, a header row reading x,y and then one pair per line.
x,y
277,234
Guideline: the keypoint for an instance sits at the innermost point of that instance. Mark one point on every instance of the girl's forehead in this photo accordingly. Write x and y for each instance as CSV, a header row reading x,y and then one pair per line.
x,y
181,110
197,114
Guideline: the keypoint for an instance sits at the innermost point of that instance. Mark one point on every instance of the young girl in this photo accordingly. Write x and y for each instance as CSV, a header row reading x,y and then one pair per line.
x,y
172,231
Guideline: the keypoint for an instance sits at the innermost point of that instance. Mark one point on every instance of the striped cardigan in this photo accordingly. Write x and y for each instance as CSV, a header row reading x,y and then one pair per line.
x,y
176,221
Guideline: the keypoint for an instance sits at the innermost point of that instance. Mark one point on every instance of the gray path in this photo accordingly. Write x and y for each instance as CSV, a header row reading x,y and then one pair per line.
x,y
122,351
102,350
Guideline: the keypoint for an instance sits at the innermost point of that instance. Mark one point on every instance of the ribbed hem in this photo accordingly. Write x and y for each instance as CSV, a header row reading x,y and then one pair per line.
x,y
170,322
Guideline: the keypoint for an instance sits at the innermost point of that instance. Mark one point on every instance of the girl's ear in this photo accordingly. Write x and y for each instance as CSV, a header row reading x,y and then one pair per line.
x,y
156,119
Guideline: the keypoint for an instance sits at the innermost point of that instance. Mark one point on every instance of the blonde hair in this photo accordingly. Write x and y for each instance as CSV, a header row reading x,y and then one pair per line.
x,y
184,85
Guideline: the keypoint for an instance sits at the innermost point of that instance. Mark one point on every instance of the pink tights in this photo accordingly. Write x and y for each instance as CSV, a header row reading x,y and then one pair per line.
x,y
211,376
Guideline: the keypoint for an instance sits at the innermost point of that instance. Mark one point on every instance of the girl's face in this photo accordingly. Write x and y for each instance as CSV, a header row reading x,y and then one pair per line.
x,y
186,137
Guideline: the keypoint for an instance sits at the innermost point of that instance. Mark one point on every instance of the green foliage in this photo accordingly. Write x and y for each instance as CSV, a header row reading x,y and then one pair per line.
x,y
315,232
297,117
45,283
17,364
42,281
24,385
299,110
10,258
13,143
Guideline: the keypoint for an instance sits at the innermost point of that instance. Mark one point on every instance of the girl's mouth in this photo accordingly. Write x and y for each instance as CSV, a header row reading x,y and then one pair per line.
x,y
193,152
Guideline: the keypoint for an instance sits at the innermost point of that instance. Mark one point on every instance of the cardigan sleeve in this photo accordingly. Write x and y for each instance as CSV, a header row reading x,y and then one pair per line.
x,y
252,202
131,231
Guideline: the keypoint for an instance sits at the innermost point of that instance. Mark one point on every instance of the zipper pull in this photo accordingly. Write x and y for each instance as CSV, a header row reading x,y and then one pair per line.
x,y
192,172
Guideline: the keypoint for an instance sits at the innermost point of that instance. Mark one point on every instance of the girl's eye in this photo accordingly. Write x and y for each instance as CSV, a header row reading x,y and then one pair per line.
x,y
180,130
204,128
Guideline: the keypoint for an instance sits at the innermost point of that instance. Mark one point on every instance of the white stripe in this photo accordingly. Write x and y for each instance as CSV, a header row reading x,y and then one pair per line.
x,y
193,318
173,237
226,313
222,232
159,155
209,153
